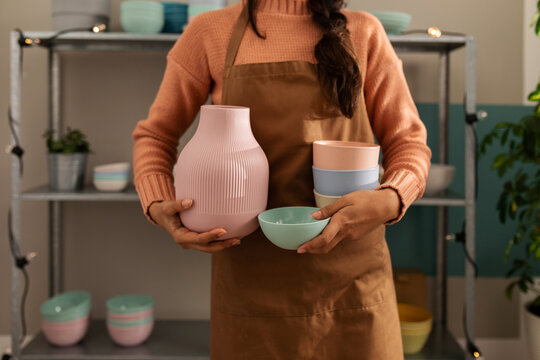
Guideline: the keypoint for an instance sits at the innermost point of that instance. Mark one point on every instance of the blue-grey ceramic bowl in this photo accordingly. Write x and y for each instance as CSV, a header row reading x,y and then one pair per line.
x,y
341,182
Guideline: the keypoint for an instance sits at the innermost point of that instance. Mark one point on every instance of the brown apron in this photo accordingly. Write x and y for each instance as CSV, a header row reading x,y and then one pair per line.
x,y
269,303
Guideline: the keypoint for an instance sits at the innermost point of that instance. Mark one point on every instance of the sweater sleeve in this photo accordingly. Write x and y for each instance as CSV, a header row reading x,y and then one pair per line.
x,y
184,88
395,122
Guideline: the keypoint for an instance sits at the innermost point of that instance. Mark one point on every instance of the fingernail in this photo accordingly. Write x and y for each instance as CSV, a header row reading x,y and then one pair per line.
x,y
221,233
317,214
237,242
186,202
301,251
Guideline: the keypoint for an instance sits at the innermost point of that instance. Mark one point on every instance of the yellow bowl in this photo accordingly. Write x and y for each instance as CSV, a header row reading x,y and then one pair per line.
x,y
416,323
324,200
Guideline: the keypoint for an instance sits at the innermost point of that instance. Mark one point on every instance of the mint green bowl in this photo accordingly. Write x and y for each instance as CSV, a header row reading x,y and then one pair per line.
x,y
394,23
290,227
67,306
129,304
130,323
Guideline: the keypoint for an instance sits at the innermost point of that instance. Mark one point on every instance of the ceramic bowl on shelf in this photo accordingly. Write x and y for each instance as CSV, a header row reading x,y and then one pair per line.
x,y
345,155
341,182
118,167
176,16
129,335
110,185
440,177
129,317
65,333
65,317
129,304
416,323
290,227
67,306
393,22
142,17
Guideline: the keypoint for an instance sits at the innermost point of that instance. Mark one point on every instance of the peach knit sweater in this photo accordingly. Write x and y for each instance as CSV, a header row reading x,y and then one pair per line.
x,y
194,70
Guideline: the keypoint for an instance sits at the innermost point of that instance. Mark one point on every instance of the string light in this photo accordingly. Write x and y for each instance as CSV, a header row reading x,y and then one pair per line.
x,y
434,32
99,28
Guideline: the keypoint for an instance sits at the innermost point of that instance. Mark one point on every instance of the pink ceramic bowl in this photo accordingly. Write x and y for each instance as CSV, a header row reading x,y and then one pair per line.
x,y
130,317
130,335
344,155
65,333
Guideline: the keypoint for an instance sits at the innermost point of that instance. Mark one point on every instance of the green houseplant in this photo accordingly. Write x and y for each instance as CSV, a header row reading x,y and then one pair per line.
x,y
66,159
520,201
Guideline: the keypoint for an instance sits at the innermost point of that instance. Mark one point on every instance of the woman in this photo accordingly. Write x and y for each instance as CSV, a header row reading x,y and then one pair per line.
x,y
308,71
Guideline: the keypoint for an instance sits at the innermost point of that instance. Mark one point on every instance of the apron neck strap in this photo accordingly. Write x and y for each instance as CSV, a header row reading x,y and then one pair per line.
x,y
236,37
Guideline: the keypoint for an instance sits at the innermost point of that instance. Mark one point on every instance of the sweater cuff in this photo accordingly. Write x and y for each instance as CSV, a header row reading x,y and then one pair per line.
x,y
152,188
405,183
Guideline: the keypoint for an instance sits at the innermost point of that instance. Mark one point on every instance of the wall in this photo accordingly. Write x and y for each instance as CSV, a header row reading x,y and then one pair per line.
x,y
111,249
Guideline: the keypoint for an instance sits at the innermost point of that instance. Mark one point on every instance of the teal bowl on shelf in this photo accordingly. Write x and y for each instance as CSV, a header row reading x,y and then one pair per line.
x,y
142,17
130,323
394,23
67,306
129,304
290,227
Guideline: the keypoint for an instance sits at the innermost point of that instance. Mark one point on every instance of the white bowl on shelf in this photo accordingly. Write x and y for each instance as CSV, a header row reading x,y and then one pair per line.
x,y
110,185
113,167
440,177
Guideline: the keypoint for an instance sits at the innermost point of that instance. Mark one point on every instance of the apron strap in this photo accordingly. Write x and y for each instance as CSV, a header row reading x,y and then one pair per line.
x,y
236,37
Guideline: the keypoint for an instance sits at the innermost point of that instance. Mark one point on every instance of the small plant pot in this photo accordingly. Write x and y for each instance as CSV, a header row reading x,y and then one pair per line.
x,y
532,331
67,171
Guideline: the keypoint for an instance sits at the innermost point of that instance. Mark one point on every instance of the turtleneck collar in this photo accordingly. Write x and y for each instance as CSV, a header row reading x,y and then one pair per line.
x,y
289,7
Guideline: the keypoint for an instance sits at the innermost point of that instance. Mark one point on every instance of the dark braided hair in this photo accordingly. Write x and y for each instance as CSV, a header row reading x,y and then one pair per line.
x,y
338,70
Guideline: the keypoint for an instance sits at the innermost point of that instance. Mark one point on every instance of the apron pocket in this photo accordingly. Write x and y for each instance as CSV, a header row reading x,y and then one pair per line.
x,y
263,280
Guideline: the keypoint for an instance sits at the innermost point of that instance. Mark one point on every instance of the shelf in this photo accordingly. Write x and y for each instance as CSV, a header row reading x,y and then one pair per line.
x,y
445,199
86,40
170,339
176,339
425,43
89,193
441,345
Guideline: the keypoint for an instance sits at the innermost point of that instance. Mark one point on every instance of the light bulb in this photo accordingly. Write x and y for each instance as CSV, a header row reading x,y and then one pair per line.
x,y
434,32
99,28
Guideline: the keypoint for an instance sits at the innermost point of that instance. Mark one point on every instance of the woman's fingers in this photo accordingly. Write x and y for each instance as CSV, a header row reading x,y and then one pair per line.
x,y
176,206
331,209
317,244
183,235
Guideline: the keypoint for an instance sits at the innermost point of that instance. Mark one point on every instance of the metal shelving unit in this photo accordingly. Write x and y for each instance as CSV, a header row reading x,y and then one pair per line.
x,y
180,339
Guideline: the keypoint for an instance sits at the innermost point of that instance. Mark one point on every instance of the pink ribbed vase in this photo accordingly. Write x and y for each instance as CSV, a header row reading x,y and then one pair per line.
x,y
225,171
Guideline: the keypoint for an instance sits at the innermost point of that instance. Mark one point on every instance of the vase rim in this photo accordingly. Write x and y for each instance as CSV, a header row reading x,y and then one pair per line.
x,y
225,107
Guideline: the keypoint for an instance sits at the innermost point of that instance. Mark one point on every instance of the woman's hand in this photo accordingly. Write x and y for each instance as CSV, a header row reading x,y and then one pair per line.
x,y
166,214
353,216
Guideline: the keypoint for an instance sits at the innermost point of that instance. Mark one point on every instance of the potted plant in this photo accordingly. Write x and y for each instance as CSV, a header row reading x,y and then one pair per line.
x,y
520,201
67,159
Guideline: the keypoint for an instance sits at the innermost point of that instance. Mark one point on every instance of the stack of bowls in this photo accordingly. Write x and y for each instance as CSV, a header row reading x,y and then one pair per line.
x,y
176,16
111,177
142,17
199,6
65,318
130,319
416,323
341,167
394,23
